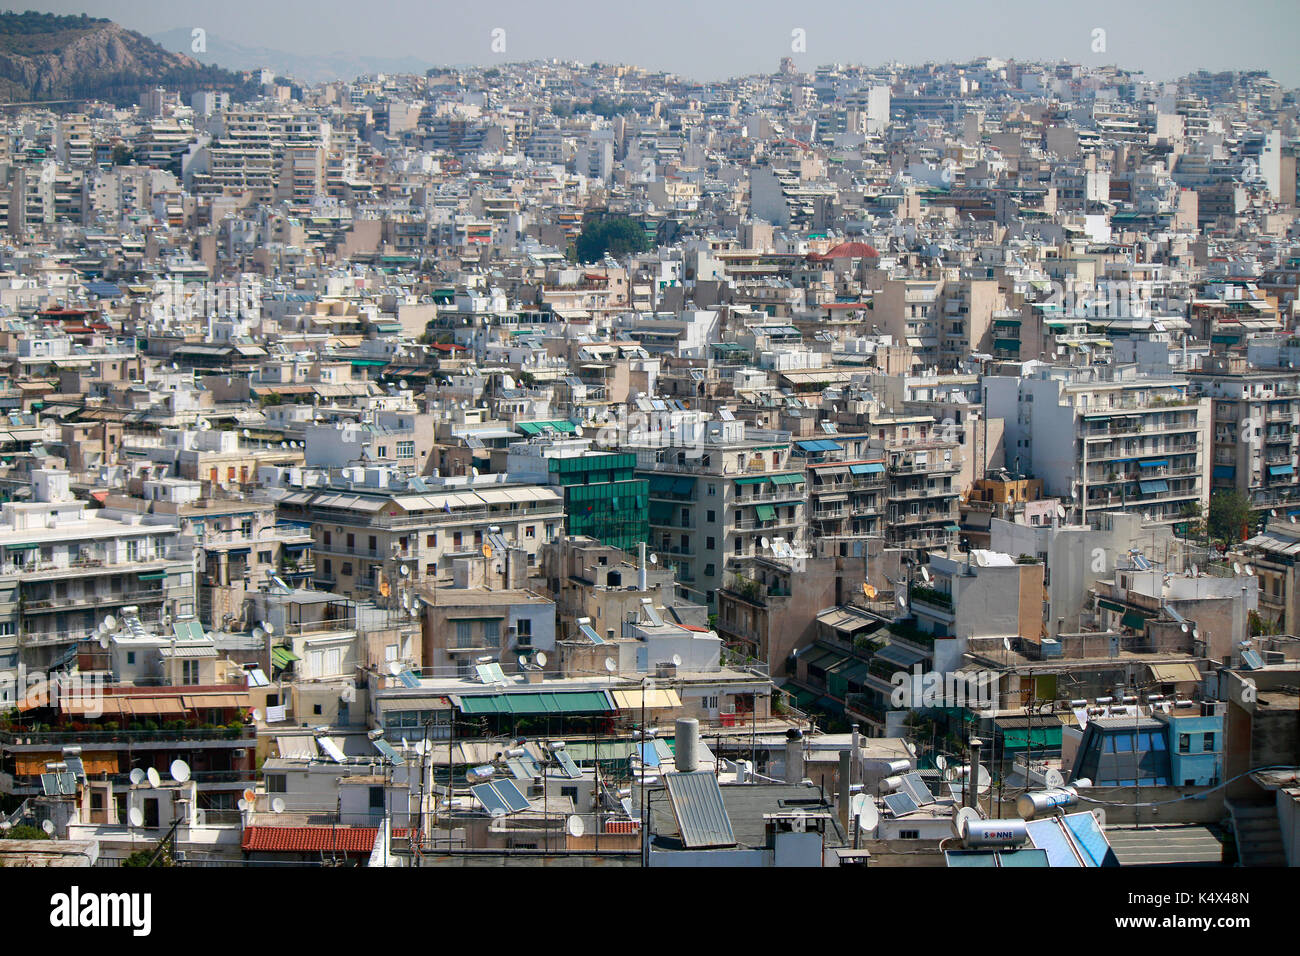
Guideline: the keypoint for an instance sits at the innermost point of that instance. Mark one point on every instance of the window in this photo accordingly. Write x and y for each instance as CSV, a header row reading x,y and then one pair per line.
x,y
530,531
1184,743
347,569
431,541
712,490
1207,743
464,633
275,783
492,632
316,710
373,544
352,541
709,543
406,449
130,657
264,557
570,792
711,703
376,798
909,834
189,672
329,568
710,518
133,550
326,539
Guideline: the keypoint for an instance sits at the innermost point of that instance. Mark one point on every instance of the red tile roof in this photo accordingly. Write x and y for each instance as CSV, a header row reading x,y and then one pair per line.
x,y
309,839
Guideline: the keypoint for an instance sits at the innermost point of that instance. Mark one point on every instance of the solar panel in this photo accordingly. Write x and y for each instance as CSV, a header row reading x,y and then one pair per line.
x,y
698,806
75,766
332,749
1252,660
408,679
257,678
387,749
484,673
567,765
50,784
518,769
68,784
1088,837
1048,835
498,675
491,800
515,800
900,804
649,755
590,634
917,789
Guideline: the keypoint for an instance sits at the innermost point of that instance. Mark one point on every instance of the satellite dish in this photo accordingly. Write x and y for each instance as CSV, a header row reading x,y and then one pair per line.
x,y
575,826
764,542
257,715
110,623
911,747
1196,633
474,472
541,658
654,559
243,805
577,430
247,433
415,612
1184,627
259,634
925,574
103,641
402,384
523,663
249,797
268,627
983,781
962,819
610,665
941,762
1250,570
180,771
868,815
1053,779
155,779
404,571
677,660
135,816
137,776
1291,518
1006,643
901,600
394,668
1236,568
277,805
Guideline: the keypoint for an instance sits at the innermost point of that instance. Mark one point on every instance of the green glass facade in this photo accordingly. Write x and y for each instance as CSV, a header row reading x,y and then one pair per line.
x,y
603,498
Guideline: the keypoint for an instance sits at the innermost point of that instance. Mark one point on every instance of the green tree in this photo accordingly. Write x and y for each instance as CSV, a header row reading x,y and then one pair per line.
x,y
1229,516
615,235
24,832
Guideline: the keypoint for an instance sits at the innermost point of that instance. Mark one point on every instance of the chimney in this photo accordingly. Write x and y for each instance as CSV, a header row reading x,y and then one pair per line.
x,y
857,755
845,763
688,736
794,756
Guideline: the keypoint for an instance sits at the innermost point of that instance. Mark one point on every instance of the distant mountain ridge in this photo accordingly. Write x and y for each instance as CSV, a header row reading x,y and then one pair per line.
x,y
48,57
313,68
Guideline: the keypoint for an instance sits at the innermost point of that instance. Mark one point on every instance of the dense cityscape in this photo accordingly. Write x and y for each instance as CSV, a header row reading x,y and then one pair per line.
x,y
576,464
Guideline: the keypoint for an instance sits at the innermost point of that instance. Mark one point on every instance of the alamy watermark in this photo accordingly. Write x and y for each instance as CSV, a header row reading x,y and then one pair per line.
x,y
917,688
80,694
181,301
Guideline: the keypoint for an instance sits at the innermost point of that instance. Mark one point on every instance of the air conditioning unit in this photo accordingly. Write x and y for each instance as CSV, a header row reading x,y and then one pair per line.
x,y
239,754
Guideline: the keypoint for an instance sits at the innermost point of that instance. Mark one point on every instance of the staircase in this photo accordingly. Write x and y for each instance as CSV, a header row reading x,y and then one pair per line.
x,y
1259,837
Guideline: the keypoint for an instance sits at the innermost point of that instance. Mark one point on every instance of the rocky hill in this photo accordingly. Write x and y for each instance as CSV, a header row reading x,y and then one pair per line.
x,y
49,57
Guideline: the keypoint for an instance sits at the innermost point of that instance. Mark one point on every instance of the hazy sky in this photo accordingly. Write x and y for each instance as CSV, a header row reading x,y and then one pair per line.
x,y
710,40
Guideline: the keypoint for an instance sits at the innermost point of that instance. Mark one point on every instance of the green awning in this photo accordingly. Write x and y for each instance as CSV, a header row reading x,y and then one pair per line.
x,y
580,702
21,547
787,479
1135,621
369,363
765,512
662,484
153,576
751,481
1018,738
1110,605
283,657
661,512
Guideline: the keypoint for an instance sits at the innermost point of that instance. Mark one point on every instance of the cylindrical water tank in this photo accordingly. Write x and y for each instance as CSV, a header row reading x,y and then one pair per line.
x,y
990,833
890,784
794,756
1030,805
687,751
